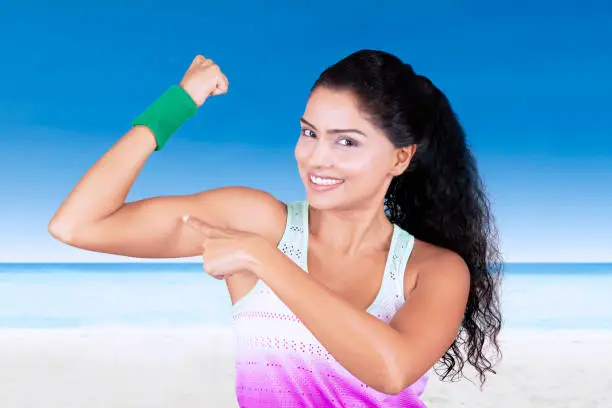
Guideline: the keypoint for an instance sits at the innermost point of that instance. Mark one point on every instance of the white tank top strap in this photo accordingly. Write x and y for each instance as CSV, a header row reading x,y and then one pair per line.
x,y
294,242
400,255
391,294
292,245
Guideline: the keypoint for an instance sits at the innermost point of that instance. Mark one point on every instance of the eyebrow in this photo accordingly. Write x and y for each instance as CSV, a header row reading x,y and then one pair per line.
x,y
334,130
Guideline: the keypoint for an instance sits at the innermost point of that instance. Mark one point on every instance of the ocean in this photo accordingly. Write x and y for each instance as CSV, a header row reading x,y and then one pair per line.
x,y
38,295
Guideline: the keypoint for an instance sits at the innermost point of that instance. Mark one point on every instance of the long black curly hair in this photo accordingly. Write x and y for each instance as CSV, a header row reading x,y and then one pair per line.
x,y
440,198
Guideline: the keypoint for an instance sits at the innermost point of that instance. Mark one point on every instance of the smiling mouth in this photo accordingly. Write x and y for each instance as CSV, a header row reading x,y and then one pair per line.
x,y
324,181
321,183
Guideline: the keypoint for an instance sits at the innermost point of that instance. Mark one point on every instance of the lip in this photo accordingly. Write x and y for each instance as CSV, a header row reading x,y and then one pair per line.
x,y
320,188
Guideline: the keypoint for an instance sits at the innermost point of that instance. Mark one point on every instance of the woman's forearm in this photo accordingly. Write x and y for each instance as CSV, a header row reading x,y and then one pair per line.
x,y
367,347
104,187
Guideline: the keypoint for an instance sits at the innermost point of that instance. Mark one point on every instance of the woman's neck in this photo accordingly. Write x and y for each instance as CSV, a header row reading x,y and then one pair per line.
x,y
350,232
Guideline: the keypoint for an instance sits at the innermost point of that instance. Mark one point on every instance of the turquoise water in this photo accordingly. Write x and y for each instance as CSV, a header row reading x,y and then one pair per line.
x,y
155,294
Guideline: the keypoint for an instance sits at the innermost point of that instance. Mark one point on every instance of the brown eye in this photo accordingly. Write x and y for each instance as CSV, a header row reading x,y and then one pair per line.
x,y
348,142
308,133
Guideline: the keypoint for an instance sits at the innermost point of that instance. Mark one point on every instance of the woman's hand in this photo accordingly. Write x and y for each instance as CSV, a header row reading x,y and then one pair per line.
x,y
203,79
226,251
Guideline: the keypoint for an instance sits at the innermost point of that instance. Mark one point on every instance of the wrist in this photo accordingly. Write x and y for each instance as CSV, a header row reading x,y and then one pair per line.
x,y
185,87
167,114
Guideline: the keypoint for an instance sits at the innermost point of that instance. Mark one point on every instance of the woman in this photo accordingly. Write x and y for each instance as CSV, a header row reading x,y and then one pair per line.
x,y
349,297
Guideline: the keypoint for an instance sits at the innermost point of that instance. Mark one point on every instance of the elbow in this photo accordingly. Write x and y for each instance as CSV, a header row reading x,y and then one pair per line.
x,y
398,378
392,386
60,231
388,381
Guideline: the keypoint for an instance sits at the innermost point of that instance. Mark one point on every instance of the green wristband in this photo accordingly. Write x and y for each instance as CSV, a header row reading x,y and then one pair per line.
x,y
167,114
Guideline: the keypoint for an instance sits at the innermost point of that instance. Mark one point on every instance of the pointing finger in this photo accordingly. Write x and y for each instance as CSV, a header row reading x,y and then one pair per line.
x,y
197,224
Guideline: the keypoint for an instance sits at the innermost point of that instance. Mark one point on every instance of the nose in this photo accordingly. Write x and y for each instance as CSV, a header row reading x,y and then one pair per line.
x,y
320,155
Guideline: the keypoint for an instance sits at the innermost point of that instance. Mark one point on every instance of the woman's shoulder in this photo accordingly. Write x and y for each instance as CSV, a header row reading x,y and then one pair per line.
x,y
432,263
253,210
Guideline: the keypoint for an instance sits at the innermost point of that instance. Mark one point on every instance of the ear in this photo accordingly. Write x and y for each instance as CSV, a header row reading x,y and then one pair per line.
x,y
401,159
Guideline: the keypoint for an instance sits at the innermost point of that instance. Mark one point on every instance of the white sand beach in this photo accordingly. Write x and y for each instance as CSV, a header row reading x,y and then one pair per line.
x,y
193,367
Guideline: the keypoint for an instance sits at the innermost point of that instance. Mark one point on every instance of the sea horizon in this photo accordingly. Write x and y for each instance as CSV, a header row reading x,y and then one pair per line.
x,y
172,294
509,267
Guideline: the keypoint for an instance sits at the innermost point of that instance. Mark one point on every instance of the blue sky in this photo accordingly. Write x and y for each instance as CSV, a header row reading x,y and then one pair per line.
x,y
530,82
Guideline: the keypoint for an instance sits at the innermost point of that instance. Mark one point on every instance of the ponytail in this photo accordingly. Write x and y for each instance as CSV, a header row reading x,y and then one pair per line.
x,y
440,198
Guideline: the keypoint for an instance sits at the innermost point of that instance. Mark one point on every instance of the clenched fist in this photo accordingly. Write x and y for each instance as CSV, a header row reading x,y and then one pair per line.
x,y
202,79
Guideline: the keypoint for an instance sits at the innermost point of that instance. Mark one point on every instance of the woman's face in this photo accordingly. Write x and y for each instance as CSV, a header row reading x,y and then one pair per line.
x,y
343,160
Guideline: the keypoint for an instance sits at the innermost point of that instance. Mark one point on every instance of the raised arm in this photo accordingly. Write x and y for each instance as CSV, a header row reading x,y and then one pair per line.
x,y
96,217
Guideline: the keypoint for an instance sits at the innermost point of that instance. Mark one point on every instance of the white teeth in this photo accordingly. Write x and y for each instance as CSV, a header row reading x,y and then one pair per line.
x,y
325,181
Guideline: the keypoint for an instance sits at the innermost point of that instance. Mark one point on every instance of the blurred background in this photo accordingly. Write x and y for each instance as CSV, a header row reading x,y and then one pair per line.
x,y
530,82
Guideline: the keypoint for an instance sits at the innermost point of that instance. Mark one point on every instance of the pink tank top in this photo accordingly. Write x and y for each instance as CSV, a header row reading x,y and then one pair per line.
x,y
279,363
